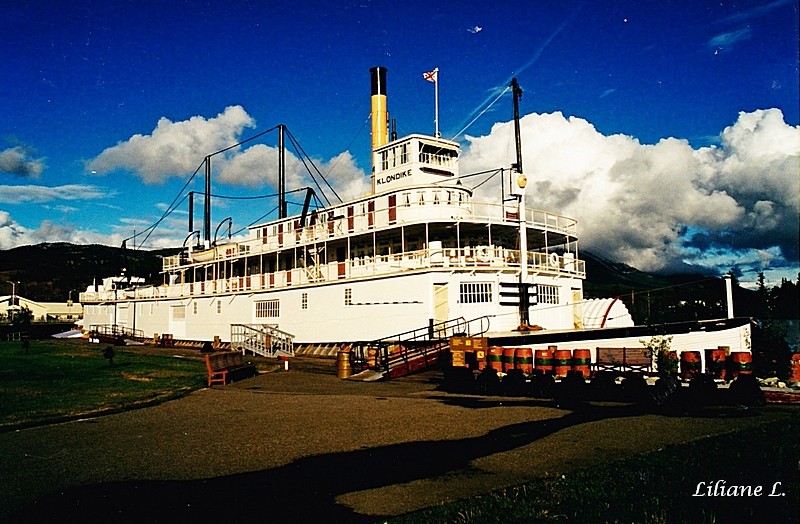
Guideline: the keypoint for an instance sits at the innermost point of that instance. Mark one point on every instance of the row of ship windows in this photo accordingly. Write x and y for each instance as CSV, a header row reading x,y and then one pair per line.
x,y
407,199
469,293
428,154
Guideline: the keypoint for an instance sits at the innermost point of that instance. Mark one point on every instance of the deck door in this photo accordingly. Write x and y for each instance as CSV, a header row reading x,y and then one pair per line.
x,y
441,309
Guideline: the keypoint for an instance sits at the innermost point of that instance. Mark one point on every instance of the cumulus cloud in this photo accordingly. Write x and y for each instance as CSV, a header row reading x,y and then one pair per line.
x,y
257,166
40,194
18,161
173,149
13,234
664,206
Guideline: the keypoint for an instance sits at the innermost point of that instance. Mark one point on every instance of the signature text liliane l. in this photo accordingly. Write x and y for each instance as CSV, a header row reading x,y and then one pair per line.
x,y
720,488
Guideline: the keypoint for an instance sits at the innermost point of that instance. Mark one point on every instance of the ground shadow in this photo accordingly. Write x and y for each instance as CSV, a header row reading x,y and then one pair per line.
x,y
302,491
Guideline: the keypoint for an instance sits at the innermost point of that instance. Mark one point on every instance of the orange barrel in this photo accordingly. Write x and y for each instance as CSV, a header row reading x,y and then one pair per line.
x,y
495,356
690,364
343,368
581,361
543,361
741,363
523,360
508,359
795,376
562,362
715,362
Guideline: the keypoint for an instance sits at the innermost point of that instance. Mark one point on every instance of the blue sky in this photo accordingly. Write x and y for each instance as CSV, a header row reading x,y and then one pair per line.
x,y
662,108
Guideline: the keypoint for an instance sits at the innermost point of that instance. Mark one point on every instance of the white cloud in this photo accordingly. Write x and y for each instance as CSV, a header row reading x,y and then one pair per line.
x,y
660,207
173,149
40,194
727,39
17,161
257,166
12,234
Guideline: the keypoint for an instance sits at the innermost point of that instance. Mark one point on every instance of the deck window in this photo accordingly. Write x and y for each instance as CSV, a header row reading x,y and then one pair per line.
x,y
178,312
304,301
475,292
548,294
268,308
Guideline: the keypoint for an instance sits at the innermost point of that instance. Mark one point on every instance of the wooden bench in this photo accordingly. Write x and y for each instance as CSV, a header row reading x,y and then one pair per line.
x,y
623,359
228,366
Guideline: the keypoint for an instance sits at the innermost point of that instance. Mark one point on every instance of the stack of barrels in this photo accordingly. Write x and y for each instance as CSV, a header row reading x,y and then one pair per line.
x,y
721,363
550,361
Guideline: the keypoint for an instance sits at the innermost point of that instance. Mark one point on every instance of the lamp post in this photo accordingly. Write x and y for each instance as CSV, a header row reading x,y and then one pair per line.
x,y
13,296
13,291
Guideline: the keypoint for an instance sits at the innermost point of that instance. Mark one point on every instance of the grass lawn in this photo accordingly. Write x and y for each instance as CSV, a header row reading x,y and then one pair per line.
x,y
61,379
655,487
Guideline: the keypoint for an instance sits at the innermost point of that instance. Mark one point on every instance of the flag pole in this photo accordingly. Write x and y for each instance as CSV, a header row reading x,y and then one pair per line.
x,y
436,102
433,76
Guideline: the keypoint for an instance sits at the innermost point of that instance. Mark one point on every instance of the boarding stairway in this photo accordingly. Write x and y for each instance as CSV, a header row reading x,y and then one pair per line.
x,y
262,339
114,334
412,351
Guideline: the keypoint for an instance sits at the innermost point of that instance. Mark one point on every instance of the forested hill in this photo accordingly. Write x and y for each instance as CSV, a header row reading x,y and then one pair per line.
x,y
48,272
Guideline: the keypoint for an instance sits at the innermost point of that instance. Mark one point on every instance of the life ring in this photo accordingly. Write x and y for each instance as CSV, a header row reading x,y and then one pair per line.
x,y
483,254
554,260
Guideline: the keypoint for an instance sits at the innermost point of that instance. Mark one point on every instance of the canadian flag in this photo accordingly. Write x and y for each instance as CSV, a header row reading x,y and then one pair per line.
x,y
432,76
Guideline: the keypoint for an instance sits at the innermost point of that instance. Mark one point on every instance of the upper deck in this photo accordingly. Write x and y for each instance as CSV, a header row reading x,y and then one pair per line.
x,y
384,215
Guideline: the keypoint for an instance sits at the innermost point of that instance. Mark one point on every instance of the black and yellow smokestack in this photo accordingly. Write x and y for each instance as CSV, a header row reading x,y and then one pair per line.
x,y
380,115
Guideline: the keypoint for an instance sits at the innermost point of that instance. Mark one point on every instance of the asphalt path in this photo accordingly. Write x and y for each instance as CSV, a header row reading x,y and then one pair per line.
x,y
303,446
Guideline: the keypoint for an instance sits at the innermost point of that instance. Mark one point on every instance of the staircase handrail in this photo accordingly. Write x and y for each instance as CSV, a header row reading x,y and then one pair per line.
x,y
252,337
423,342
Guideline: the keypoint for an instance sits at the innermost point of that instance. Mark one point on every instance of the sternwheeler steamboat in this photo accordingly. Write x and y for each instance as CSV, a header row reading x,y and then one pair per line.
x,y
419,254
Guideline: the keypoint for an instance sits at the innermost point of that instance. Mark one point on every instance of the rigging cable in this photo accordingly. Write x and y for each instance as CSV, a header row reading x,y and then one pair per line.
x,y
300,149
172,207
482,112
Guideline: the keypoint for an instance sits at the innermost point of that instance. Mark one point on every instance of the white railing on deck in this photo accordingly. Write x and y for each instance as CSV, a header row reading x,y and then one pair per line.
x,y
479,258
414,212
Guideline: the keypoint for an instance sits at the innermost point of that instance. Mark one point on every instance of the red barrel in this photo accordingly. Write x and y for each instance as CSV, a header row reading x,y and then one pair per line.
x,y
562,362
581,361
543,361
715,362
690,364
508,359
495,357
795,377
741,363
523,360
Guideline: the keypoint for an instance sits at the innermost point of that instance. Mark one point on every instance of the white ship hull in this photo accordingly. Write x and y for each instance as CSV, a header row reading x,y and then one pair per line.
x,y
335,312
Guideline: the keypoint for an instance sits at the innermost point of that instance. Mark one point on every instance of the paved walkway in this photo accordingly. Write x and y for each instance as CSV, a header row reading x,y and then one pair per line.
x,y
304,446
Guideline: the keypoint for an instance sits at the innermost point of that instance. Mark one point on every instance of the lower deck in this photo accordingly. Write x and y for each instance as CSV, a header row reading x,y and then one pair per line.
x,y
347,310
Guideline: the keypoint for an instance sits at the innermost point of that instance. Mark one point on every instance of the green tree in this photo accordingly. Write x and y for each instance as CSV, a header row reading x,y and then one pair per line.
x,y
21,319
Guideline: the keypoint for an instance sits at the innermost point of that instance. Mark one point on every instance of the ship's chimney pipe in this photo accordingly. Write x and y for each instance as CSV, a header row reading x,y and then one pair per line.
x,y
380,115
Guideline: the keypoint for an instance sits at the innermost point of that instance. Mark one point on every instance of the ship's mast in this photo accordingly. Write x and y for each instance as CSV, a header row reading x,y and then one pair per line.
x,y
207,206
518,186
281,172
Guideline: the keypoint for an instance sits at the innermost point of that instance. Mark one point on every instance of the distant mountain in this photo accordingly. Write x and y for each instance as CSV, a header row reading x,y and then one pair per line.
x,y
49,272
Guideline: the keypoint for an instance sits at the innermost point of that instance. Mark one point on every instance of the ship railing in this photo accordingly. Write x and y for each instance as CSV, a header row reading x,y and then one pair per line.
x,y
420,206
262,339
113,332
487,258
